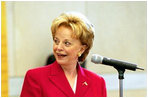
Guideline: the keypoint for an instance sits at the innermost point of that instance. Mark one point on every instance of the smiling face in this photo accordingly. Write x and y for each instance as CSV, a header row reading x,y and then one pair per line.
x,y
65,47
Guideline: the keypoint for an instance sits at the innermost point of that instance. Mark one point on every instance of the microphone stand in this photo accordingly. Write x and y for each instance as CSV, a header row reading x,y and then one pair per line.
x,y
120,77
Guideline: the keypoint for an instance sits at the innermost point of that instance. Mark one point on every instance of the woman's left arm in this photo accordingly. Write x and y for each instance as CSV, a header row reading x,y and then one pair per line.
x,y
104,91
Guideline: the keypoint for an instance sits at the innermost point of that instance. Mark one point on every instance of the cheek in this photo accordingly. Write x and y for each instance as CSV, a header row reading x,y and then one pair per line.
x,y
54,48
74,52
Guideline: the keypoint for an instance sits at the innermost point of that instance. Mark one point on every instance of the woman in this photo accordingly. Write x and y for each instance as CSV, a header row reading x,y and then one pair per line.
x,y
73,38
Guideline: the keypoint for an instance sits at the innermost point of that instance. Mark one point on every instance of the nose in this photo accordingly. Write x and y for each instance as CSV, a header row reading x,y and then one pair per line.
x,y
60,47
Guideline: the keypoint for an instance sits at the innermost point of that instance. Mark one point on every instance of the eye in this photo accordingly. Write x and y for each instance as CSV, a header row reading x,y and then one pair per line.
x,y
56,41
67,43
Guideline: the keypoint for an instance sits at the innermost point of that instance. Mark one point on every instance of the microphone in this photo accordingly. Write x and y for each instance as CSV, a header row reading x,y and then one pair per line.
x,y
97,59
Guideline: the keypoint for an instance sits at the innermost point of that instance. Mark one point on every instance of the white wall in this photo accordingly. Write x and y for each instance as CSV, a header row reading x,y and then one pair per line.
x,y
32,40
120,32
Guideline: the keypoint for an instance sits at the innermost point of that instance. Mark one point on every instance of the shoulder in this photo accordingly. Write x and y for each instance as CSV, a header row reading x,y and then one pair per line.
x,y
92,75
39,71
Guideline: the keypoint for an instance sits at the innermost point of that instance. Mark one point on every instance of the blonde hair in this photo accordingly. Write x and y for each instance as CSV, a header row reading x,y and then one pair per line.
x,y
81,27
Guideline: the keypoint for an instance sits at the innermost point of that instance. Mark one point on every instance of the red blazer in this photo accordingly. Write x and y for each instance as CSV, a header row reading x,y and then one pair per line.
x,y
50,81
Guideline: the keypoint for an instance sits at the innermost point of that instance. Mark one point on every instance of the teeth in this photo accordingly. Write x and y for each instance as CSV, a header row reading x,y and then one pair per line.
x,y
61,55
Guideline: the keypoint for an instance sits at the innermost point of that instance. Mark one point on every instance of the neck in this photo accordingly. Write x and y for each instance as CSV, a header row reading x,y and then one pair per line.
x,y
70,70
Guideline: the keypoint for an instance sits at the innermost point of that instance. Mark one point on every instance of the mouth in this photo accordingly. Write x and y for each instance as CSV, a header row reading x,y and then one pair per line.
x,y
61,55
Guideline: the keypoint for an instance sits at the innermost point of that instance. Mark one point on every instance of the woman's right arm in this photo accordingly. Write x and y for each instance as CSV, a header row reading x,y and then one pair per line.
x,y
31,87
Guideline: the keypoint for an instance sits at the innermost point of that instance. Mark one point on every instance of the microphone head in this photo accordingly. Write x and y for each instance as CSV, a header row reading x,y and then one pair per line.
x,y
97,59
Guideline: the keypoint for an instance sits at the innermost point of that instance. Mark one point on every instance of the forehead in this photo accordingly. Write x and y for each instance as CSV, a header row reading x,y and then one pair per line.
x,y
65,32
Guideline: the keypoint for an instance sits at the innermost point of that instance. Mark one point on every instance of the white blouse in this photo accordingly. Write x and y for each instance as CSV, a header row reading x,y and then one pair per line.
x,y
75,85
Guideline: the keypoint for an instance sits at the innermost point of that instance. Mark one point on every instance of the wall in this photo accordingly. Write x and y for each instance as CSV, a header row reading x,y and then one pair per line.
x,y
120,33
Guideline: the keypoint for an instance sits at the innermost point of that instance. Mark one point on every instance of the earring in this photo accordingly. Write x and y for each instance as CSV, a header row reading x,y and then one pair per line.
x,y
79,54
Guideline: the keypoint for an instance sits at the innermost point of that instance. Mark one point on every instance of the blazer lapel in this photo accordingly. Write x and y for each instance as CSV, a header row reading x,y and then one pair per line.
x,y
58,78
83,83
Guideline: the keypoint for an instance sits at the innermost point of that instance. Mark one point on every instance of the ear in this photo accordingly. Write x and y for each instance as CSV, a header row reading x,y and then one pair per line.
x,y
83,48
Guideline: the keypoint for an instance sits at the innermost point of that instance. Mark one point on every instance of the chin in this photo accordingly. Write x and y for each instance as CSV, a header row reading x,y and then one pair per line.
x,y
61,62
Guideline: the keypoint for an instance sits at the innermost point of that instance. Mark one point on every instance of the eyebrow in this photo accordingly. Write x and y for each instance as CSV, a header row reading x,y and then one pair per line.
x,y
64,39
67,39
